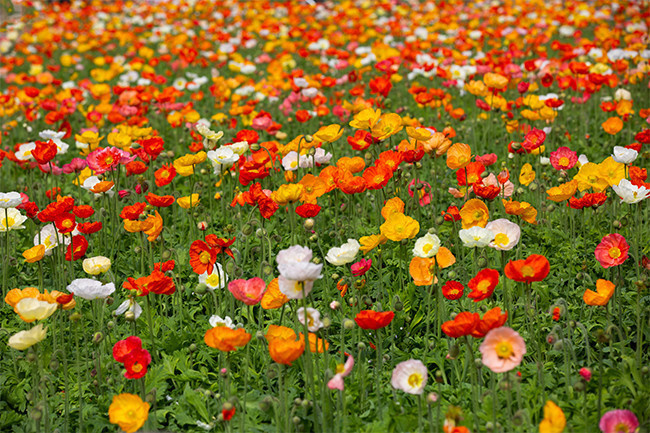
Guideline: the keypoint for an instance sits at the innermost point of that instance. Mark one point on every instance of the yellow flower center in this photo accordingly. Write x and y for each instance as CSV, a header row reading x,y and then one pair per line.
x,y
109,160
426,248
67,223
137,367
483,286
564,161
501,239
504,350
204,257
614,253
213,280
478,215
340,368
527,271
8,222
415,380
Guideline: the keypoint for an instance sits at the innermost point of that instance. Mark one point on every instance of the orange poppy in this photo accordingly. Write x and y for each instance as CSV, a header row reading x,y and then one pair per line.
x,y
393,205
613,125
350,184
604,291
522,209
353,165
226,339
420,270
459,156
165,174
474,213
491,319
329,175
533,268
313,187
202,257
317,344
283,346
159,200
273,298
463,324
377,177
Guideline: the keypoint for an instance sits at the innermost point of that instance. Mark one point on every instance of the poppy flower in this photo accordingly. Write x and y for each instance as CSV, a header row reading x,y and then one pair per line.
x,y
165,175
563,158
491,319
133,211
483,284
90,227
522,209
308,210
77,248
503,349
220,245
368,319
554,420
410,376
65,223
284,348
399,226
250,292
594,199
159,200
123,348
136,363
459,156
474,213
83,211
273,298
602,295
533,268
612,250
361,267
202,257
619,421
533,140
562,192
226,339
227,414
129,412
44,152
470,174
421,270
453,290
463,324
612,125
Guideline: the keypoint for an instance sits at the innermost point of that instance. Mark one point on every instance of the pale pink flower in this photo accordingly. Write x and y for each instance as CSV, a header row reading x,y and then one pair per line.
x,y
410,376
503,349
342,370
618,421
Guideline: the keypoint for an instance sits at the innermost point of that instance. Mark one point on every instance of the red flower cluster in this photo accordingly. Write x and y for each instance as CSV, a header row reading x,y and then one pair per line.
x,y
133,356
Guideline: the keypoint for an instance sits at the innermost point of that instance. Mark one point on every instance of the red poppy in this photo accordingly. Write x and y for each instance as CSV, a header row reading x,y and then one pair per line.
x,y
159,200
453,290
227,414
308,210
165,174
491,319
533,268
483,284
169,265
53,192
361,140
64,299
135,168
534,139
220,245
202,257
153,146
463,324
123,348
380,86
247,135
451,214
133,212
90,227
368,319
80,245
487,192
267,207
160,284
136,363
594,199
44,151
83,211
65,223
54,209
612,250
472,173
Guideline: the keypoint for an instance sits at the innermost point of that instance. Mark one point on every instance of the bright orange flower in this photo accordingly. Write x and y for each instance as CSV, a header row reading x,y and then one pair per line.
x,y
613,125
604,291
474,213
459,156
491,319
273,298
16,295
369,243
317,344
463,324
165,174
353,165
562,192
226,339
283,346
159,200
393,205
377,176
420,270
533,268
525,210
34,254
202,257
350,184
313,187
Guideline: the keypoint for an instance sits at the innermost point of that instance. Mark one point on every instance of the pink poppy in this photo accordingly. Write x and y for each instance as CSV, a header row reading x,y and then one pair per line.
x,y
618,421
534,139
503,349
361,267
423,194
612,250
342,370
250,292
487,159
563,158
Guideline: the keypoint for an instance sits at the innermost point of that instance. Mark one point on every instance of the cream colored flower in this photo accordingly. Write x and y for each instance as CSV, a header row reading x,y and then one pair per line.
x,y
427,246
31,309
11,219
26,339
96,265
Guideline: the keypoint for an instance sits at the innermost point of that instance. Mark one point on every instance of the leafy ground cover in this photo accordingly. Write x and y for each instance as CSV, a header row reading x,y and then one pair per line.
x,y
345,216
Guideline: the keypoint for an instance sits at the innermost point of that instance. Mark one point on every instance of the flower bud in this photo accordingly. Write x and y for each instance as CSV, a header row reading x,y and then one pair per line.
x,y
192,348
348,324
308,224
201,289
129,316
75,317
98,337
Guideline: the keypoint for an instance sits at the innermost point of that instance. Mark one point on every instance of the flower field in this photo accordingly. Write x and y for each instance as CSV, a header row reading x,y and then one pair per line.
x,y
355,216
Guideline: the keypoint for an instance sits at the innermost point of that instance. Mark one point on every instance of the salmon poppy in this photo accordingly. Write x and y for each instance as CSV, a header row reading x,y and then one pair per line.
x,y
463,324
226,339
491,319
202,257
612,250
533,268
483,284
368,319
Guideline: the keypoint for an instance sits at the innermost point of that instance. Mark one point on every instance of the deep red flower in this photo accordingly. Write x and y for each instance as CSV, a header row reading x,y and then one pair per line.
x,y
453,290
80,245
153,146
89,227
368,319
308,210
136,363
534,139
483,284
123,348
451,214
221,245
202,257
65,223
165,175
227,414
44,152
83,211
159,200
135,168
594,199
